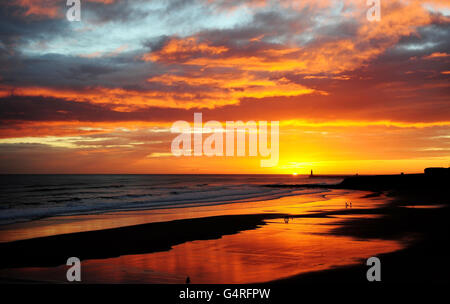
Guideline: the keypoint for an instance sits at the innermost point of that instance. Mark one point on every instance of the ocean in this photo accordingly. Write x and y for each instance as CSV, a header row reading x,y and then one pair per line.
x,y
30,197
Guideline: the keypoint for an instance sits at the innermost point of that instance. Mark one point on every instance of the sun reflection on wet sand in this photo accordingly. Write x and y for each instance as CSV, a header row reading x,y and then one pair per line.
x,y
274,251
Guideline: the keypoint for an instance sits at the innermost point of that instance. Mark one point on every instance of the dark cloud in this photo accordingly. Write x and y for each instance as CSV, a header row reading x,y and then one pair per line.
x,y
54,70
119,11
17,29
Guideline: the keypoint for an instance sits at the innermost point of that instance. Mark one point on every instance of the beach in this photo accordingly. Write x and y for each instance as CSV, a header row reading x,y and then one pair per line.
x,y
310,234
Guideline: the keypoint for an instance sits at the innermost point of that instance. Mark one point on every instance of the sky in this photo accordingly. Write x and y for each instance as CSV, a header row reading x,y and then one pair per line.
x,y
100,95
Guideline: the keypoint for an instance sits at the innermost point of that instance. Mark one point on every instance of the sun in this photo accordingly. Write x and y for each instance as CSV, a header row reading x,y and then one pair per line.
x,y
295,174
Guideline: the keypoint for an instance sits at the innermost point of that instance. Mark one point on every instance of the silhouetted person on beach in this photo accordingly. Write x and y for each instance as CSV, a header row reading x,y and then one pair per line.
x,y
188,280
350,204
346,205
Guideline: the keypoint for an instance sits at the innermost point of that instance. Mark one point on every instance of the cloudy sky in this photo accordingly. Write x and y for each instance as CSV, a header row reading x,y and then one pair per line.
x,y
100,95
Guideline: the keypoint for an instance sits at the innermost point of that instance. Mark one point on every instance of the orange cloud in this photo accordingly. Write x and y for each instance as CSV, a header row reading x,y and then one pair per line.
x,y
48,8
121,100
231,88
204,92
180,49
78,128
437,55
399,18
